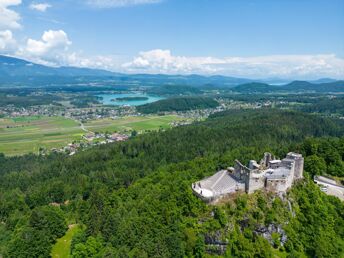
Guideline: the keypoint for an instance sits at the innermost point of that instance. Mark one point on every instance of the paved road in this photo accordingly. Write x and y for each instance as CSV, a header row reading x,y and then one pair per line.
x,y
332,189
335,192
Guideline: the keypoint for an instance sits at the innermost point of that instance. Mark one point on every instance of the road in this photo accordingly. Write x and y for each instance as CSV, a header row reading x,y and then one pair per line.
x,y
332,189
82,126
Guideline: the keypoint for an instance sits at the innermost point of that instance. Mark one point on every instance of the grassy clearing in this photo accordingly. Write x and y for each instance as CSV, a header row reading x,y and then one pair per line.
x,y
124,124
28,134
62,247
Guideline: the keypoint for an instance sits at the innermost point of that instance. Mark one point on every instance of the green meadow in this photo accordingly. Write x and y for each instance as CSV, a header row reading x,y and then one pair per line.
x,y
125,124
28,134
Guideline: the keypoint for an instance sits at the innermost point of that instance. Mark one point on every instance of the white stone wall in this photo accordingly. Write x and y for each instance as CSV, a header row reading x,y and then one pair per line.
x,y
256,182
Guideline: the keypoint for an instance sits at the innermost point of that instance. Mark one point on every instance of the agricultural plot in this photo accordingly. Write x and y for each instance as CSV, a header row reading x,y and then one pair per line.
x,y
126,124
28,134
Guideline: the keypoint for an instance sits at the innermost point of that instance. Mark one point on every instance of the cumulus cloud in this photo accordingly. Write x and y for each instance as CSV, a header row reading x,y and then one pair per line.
x,y
51,41
7,42
111,63
9,19
41,7
287,66
49,50
52,49
119,3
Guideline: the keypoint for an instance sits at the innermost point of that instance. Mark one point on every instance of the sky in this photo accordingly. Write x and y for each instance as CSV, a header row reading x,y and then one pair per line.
x,y
291,39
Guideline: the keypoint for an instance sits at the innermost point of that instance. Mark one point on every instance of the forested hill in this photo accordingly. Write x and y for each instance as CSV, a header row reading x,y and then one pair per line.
x,y
328,106
134,199
295,86
173,90
178,104
255,87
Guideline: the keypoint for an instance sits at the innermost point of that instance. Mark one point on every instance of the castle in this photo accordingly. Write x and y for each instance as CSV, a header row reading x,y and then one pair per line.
x,y
271,174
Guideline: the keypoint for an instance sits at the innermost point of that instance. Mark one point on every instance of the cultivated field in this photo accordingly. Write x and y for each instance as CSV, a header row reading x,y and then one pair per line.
x,y
140,124
28,134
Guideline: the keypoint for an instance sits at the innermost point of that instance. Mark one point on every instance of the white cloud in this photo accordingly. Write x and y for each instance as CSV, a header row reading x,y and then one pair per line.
x,y
110,63
51,49
120,3
9,19
7,42
286,66
52,41
41,7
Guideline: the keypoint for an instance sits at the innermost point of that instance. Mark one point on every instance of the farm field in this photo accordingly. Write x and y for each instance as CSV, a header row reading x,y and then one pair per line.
x,y
27,134
24,135
125,124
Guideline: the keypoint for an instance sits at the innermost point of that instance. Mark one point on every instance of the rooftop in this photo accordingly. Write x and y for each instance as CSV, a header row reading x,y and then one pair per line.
x,y
219,183
278,173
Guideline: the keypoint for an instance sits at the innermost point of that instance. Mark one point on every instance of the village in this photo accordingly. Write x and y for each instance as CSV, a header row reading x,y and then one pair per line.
x,y
97,112
90,139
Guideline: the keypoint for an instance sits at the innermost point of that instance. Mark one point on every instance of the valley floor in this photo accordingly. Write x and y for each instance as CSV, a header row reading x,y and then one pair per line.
x,y
22,135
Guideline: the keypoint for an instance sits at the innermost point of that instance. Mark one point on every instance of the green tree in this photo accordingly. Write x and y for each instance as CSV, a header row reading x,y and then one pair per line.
x,y
315,165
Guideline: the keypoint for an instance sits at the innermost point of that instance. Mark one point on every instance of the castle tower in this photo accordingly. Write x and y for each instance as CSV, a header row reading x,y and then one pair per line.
x,y
299,161
267,158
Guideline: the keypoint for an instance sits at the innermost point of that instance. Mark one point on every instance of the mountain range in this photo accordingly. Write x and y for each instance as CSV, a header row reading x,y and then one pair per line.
x,y
25,73
22,72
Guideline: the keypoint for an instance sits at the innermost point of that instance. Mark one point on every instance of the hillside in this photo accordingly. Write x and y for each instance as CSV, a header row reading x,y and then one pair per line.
x,y
255,87
293,87
14,67
178,104
135,198
328,106
173,90
337,86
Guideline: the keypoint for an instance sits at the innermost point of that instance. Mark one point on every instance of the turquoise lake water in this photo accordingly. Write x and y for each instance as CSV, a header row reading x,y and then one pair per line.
x,y
108,97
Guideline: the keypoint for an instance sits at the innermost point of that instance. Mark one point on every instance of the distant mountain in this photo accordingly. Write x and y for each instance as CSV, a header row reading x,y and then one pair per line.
x,y
190,80
22,72
255,87
293,87
299,86
324,80
15,67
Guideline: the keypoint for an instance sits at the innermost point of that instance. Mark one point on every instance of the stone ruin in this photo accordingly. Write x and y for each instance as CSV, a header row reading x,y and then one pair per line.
x,y
271,174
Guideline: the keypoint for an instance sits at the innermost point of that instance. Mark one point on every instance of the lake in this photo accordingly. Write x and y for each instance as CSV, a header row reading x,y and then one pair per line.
x,y
108,97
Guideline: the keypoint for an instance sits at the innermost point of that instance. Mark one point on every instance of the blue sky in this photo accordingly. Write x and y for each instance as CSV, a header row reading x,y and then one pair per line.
x,y
247,38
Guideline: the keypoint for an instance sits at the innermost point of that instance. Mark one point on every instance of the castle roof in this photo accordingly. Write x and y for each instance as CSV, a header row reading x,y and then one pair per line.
x,y
278,173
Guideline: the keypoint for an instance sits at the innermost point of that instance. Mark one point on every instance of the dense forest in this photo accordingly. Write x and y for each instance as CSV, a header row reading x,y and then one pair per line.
x,y
134,199
295,86
173,90
306,98
178,104
85,101
329,106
